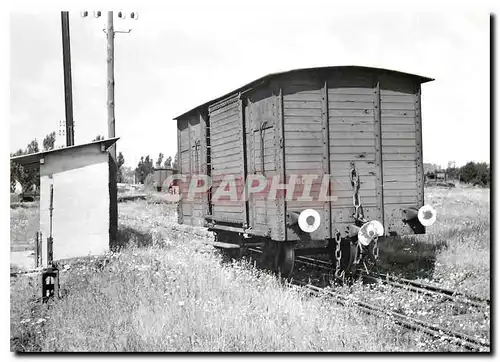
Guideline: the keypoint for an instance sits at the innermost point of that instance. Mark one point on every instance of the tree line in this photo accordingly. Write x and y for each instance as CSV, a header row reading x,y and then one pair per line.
x,y
29,178
474,173
145,166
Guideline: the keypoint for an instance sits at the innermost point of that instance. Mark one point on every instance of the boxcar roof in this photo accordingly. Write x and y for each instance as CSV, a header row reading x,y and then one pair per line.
x,y
269,76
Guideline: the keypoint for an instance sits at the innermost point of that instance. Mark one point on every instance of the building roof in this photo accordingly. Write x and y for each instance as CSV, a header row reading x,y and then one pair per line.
x,y
33,159
261,80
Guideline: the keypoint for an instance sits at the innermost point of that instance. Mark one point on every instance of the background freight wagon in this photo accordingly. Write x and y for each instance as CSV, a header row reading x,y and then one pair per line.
x,y
309,121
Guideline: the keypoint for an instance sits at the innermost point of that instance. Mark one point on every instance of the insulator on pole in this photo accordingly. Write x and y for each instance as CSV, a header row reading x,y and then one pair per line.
x,y
134,15
121,14
97,14
84,14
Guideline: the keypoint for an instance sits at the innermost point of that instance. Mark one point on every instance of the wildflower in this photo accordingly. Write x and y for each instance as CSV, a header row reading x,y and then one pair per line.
x,y
40,320
25,320
181,303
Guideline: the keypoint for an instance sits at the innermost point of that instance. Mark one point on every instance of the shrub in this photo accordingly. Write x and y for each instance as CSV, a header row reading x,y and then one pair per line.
x,y
476,174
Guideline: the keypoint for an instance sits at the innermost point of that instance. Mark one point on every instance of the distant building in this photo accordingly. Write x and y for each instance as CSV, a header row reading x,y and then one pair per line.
x,y
85,216
160,175
429,168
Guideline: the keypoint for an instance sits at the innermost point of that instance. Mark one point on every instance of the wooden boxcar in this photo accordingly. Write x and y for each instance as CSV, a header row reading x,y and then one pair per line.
x,y
326,122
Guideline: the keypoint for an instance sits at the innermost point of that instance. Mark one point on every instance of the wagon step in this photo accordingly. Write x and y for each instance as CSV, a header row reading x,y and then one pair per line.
x,y
218,244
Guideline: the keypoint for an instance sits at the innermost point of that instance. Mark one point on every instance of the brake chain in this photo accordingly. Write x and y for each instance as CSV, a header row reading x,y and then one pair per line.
x,y
338,256
375,248
356,198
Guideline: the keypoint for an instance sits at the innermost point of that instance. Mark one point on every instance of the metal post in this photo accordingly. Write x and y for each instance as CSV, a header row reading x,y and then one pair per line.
x,y
50,240
110,34
68,96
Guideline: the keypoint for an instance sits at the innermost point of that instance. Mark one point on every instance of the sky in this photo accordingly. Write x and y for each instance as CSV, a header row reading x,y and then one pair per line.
x,y
181,56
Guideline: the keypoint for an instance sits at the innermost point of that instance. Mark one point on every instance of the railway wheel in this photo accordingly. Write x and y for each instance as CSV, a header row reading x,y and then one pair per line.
x,y
269,253
285,259
349,252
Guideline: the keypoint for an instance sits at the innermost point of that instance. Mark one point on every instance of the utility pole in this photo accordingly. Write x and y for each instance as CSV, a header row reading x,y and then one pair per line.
x,y
110,35
68,91
110,41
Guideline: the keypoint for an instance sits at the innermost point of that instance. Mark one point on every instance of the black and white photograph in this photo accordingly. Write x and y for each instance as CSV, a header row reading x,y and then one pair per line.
x,y
250,176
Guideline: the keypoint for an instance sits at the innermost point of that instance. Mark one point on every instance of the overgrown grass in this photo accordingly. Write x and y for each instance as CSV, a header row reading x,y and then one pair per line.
x,y
172,294
455,251
149,300
164,292
463,225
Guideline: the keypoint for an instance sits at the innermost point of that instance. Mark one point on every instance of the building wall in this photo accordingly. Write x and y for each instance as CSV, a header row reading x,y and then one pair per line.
x,y
81,202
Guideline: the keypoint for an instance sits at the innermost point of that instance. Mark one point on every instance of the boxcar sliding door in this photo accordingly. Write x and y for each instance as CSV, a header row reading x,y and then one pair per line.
x,y
227,160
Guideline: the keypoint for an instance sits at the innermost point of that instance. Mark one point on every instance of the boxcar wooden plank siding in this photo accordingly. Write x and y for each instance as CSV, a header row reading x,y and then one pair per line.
x,y
302,112
411,171
401,185
397,122
232,139
399,136
302,104
299,135
301,120
399,147
227,158
400,98
351,128
361,142
401,113
332,91
226,133
398,142
304,137
334,149
408,106
351,120
343,167
222,112
350,112
334,136
349,98
228,127
301,96
304,127
400,150
299,142
300,166
309,150
398,157
230,147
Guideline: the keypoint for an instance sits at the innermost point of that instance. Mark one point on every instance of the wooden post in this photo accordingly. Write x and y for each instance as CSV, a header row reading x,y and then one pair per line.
x,y
110,34
68,92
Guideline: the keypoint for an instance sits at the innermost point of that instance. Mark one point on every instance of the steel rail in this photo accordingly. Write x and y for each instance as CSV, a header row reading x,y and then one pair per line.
x,y
409,285
433,330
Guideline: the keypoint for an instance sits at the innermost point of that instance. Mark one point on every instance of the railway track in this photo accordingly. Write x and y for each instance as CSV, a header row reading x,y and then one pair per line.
x,y
407,284
457,338
431,329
